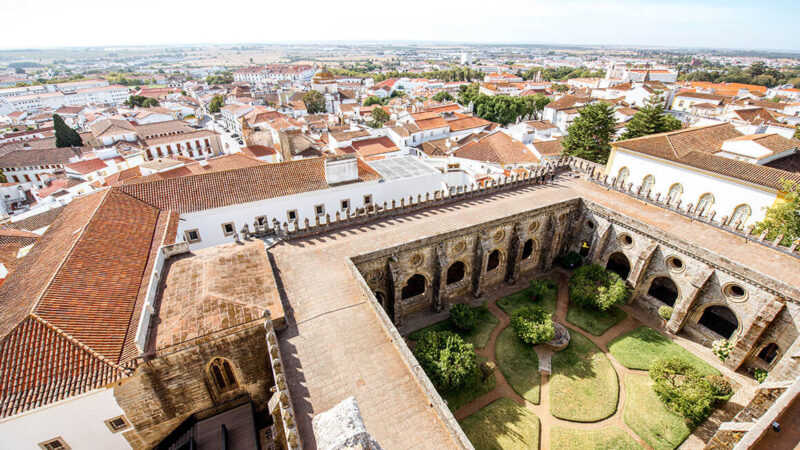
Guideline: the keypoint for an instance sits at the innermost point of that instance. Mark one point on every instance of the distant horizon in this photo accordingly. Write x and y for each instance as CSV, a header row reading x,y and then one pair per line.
x,y
681,24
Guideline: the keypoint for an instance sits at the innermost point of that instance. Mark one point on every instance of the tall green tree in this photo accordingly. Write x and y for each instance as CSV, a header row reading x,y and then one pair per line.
x,y
315,102
443,96
650,120
216,103
65,136
373,100
379,117
149,103
589,136
784,216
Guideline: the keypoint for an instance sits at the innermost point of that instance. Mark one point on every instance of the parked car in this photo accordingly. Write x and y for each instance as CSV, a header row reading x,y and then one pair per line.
x,y
234,135
240,142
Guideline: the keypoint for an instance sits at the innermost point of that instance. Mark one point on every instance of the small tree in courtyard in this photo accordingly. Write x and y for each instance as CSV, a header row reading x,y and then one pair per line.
x,y
314,101
533,325
379,117
594,287
446,359
463,316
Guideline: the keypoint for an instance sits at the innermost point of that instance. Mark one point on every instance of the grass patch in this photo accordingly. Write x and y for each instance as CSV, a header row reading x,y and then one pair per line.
x,y
604,438
638,349
583,384
592,321
503,424
478,336
517,300
520,365
649,418
474,388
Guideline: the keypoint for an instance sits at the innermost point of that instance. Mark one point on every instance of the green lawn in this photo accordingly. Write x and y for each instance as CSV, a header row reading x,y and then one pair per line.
x,y
520,365
638,349
594,322
478,336
522,298
583,383
649,418
472,390
571,439
502,425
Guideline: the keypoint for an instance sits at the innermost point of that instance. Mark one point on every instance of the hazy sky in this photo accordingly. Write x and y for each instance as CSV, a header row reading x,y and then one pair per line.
x,y
765,24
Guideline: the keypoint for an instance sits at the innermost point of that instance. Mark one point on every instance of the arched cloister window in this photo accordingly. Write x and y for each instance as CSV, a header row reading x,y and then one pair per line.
x,y
705,203
647,184
740,215
527,249
619,264
622,178
769,353
221,374
414,286
720,319
456,272
494,260
675,192
664,289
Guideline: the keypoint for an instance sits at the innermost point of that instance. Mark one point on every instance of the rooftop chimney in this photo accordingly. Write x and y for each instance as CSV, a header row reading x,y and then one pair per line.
x,y
341,169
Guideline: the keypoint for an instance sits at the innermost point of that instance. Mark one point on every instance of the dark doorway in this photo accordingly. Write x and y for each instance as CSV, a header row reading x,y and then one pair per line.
x,y
769,353
619,264
456,272
385,304
527,249
664,289
494,260
719,319
585,247
414,286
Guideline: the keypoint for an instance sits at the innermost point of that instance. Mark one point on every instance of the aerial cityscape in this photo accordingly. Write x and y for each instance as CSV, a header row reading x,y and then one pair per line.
x,y
555,225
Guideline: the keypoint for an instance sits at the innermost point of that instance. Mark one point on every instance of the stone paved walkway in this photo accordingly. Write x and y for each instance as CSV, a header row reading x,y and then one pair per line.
x,y
542,410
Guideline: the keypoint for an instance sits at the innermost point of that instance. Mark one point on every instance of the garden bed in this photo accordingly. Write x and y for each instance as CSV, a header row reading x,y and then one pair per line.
x,y
478,336
564,438
519,364
503,424
638,349
649,418
474,388
513,302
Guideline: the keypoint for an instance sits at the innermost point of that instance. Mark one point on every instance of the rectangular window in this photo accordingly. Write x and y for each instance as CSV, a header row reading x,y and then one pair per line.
x,y
117,424
345,204
54,444
192,236
262,220
367,200
169,149
27,178
319,210
227,228
291,215
207,144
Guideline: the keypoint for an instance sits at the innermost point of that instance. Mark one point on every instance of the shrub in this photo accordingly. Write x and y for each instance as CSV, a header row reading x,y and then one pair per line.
x,y
760,375
681,387
720,387
463,316
540,288
571,260
722,348
597,288
446,359
533,325
665,312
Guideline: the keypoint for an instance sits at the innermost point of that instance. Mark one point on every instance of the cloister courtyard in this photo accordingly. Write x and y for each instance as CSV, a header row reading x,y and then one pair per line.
x,y
595,393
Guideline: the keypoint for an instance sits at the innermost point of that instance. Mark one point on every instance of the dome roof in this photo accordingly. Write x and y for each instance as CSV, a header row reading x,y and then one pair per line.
x,y
323,75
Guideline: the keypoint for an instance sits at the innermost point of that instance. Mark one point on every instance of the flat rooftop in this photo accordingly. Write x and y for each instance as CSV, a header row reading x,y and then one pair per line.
x,y
403,167
335,347
212,290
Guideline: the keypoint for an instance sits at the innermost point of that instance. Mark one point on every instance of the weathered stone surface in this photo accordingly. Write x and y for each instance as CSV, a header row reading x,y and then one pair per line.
x,y
342,427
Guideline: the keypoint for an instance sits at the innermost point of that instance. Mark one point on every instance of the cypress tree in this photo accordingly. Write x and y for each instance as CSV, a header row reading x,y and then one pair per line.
x,y
589,136
65,136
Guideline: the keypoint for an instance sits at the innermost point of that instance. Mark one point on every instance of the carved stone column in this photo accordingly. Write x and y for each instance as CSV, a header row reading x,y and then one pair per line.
x,y
440,265
748,338
684,304
639,269
482,247
514,253
395,293
600,242
553,234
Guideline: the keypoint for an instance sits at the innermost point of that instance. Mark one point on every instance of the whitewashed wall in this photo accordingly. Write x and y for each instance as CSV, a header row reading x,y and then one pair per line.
x,y
728,193
79,420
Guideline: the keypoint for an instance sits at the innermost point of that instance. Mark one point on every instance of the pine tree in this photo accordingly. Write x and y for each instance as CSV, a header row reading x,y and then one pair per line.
x,y
65,136
650,120
589,136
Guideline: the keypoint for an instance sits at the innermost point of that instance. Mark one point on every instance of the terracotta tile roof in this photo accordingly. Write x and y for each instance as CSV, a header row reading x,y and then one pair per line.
x,y
756,116
541,124
376,146
219,189
568,102
742,170
498,148
772,142
433,123
37,221
22,237
151,130
227,162
87,166
110,127
40,157
347,135
184,136
257,151
549,148
700,95
58,185
467,123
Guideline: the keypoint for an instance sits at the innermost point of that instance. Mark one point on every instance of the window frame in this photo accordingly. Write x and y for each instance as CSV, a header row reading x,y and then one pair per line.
x,y
46,444
113,429
368,200
225,232
190,240
262,220
316,210
289,214
344,204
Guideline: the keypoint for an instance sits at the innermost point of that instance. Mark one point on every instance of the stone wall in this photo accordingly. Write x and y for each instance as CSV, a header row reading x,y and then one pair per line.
x,y
166,390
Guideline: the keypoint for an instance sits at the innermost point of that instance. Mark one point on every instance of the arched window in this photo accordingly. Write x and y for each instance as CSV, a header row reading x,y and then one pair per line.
x,y
584,250
705,203
414,286
619,264
720,319
494,260
647,184
527,249
455,272
769,353
675,192
221,374
664,289
740,215
622,178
